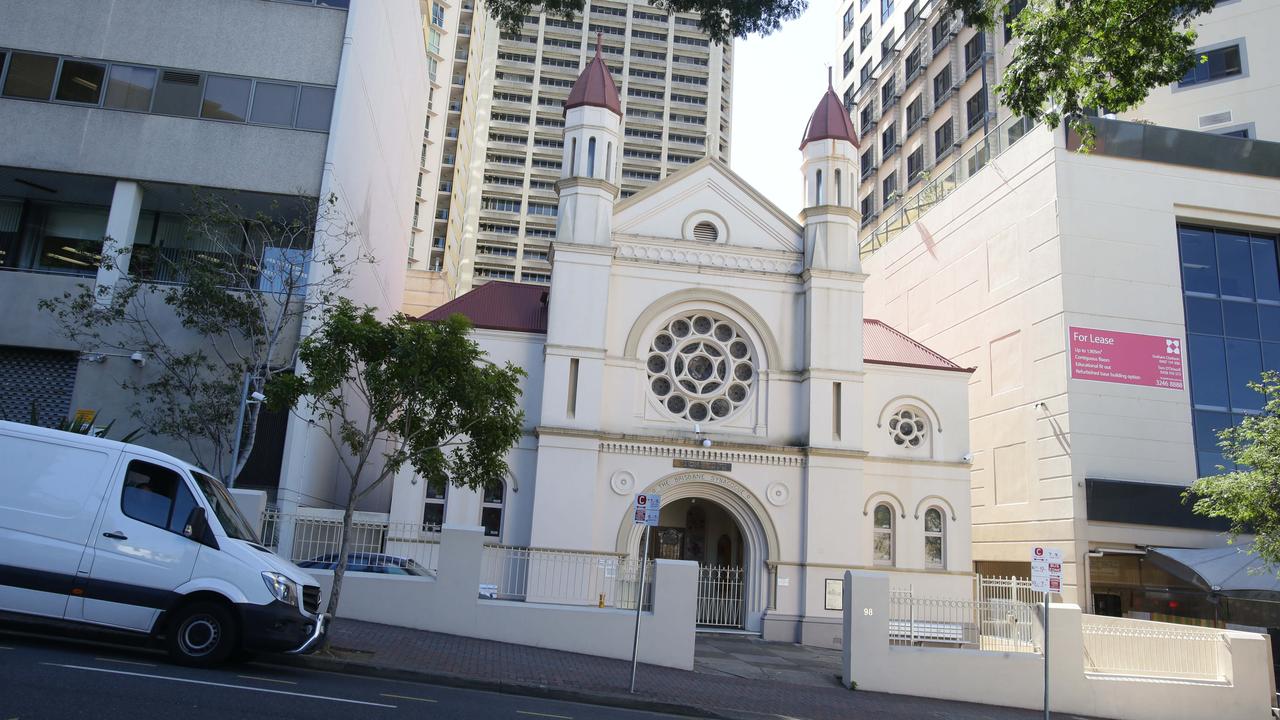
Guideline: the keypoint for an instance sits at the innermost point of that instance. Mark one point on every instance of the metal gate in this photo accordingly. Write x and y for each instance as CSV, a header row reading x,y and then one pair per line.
x,y
720,599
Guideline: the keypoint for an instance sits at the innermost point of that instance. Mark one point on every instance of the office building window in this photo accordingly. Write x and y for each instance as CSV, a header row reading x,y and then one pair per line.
x,y
1011,12
889,141
941,85
80,82
274,103
890,187
915,112
867,118
1231,289
888,92
1218,63
886,45
941,32
315,105
226,98
915,165
868,161
973,51
848,21
130,88
943,139
867,207
71,238
912,66
976,109
886,7
30,76
864,35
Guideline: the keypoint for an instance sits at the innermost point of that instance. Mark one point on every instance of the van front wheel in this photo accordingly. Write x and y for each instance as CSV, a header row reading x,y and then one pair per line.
x,y
202,634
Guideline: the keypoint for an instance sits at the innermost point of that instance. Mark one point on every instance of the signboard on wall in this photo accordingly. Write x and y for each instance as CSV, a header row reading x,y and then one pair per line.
x,y
834,594
1126,358
646,509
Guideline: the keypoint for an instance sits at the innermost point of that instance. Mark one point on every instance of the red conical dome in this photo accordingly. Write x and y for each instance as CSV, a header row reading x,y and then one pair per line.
x,y
830,121
595,87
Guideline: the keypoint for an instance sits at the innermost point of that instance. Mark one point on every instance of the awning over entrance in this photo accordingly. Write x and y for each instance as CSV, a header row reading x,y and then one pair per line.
x,y
1248,588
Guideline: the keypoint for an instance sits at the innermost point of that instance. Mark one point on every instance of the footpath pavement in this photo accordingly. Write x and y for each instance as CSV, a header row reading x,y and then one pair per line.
x,y
734,676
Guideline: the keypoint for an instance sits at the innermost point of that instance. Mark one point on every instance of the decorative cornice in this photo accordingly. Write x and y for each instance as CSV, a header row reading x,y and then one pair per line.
x,y
595,183
715,256
710,455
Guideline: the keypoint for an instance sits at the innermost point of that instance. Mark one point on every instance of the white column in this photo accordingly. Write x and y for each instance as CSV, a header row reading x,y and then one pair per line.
x,y
122,226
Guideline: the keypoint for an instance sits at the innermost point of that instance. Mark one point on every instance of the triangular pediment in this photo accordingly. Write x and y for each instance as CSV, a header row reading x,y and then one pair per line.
x,y
708,189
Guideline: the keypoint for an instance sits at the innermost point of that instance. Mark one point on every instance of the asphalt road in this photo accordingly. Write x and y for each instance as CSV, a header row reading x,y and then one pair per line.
x,y
61,678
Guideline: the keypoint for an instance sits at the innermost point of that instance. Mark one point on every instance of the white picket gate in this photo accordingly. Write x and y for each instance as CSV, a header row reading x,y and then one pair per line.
x,y
720,596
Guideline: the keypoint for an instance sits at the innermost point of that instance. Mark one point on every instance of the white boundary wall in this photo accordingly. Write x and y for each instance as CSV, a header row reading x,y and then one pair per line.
x,y
450,603
1016,679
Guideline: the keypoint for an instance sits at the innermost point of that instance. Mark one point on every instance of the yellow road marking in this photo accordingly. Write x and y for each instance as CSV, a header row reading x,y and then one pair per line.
x,y
406,697
125,662
255,677
538,714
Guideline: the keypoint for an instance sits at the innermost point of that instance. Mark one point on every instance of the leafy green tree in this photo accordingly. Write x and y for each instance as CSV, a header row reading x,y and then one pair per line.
x,y
1078,55
387,393
1249,497
215,317
723,20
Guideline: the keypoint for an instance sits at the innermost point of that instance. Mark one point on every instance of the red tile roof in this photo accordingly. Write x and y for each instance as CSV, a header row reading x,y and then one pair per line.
x,y
595,86
518,307
883,345
830,120
498,305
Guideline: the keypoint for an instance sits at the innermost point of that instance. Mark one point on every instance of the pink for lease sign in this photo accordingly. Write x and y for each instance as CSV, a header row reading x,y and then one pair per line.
x,y
1127,358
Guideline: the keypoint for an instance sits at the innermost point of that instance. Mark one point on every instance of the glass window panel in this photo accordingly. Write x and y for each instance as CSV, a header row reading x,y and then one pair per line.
x,y
3,55
933,551
273,103
883,517
1266,271
1199,260
225,98
72,239
1208,361
491,519
883,546
178,93
1271,356
1269,321
1208,463
130,88
493,493
1207,426
437,490
933,521
1235,264
30,76
1244,365
433,514
315,105
81,82
1240,319
1204,316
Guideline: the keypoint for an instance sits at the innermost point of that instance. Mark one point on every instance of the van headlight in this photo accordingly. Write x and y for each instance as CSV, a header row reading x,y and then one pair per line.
x,y
280,586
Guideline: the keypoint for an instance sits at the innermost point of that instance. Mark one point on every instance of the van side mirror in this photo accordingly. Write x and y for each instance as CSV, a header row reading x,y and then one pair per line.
x,y
197,528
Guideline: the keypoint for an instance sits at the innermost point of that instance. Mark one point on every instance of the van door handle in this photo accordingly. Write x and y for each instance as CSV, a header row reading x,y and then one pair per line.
x,y
115,535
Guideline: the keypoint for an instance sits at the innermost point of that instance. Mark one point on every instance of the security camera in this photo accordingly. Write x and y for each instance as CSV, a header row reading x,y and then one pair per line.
x,y
706,442
257,396
138,359
968,457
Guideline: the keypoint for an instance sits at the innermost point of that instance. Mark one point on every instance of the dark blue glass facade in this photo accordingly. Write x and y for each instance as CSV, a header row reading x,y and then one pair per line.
x,y
1231,290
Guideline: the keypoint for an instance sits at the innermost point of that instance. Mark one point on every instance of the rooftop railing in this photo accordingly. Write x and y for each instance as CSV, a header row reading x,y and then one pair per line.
x,y
940,184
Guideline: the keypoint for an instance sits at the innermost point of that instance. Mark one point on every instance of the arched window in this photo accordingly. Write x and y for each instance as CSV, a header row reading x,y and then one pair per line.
x,y
433,509
882,535
491,508
817,188
839,190
935,539
908,428
573,157
591,157
608,162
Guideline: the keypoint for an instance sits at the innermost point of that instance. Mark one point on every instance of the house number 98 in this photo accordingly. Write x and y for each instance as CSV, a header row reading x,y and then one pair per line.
x,y
868,612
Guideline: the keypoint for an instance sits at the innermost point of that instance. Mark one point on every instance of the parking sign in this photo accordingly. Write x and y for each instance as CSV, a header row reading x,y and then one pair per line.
x,y
1046,569
646,509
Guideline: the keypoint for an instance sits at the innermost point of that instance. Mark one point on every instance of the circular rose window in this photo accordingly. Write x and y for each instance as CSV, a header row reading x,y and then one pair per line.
x,y
701,367
907,427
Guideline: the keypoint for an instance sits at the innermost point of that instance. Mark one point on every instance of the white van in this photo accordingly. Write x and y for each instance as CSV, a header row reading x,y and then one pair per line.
x,y
101,532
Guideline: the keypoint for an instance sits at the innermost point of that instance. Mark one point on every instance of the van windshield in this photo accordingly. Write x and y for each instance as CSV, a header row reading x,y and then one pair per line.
x,y
233,523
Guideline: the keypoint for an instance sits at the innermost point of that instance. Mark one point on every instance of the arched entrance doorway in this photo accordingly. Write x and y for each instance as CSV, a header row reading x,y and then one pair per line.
x,y
718,523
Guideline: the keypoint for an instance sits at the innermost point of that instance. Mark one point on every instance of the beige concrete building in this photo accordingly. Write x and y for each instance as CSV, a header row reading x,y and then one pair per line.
x,y
494,214
1115,305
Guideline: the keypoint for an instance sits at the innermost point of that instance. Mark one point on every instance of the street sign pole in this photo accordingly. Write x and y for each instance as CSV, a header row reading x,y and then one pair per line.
x,y
635,640
1046,655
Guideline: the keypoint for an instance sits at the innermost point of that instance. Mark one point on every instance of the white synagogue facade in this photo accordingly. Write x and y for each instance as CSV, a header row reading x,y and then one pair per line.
x,y
698,343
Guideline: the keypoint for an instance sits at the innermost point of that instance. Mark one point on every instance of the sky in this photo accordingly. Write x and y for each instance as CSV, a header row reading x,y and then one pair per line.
x,y
777,82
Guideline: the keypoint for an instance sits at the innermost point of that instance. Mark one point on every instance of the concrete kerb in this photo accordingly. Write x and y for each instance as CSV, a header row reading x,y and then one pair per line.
x,y
626,702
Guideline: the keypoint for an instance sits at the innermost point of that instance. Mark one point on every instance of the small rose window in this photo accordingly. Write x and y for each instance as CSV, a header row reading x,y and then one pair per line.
x,y
907,428
701,367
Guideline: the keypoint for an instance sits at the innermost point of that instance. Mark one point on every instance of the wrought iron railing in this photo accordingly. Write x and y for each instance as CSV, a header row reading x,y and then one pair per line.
x,y
563,577
720,596
1123,646
318,538
998,625
942,183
